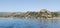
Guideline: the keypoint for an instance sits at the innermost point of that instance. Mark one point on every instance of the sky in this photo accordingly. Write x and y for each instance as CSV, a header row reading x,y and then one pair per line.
x,y
29,5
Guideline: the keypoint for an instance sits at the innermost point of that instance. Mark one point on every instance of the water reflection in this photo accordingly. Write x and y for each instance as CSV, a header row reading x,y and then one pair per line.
x,y
29,23
47,23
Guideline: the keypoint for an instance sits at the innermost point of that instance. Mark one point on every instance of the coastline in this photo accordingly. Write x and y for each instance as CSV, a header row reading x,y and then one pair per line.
x,y
32,17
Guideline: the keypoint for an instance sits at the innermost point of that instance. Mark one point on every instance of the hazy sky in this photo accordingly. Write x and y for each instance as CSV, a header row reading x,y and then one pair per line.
x,y
29,5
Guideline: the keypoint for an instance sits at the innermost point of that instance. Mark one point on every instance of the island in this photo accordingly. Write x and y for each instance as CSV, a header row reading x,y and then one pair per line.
x,y
43,13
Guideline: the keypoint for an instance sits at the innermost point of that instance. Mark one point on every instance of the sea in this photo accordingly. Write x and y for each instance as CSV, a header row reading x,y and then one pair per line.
x,y
29,23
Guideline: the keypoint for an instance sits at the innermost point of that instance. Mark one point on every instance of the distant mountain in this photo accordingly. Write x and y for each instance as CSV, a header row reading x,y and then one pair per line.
x,y
8,13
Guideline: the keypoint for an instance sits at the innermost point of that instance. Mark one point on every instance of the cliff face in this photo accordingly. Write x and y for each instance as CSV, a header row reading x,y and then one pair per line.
x,y
45,13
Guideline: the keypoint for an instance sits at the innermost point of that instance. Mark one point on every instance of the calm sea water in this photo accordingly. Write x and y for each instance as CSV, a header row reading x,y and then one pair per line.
x,y
29,23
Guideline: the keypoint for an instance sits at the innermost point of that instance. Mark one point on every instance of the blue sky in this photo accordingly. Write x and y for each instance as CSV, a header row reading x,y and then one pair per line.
x,y
29,5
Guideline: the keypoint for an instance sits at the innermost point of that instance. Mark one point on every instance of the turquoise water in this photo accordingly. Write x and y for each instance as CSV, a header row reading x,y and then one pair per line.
x,y
29,23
